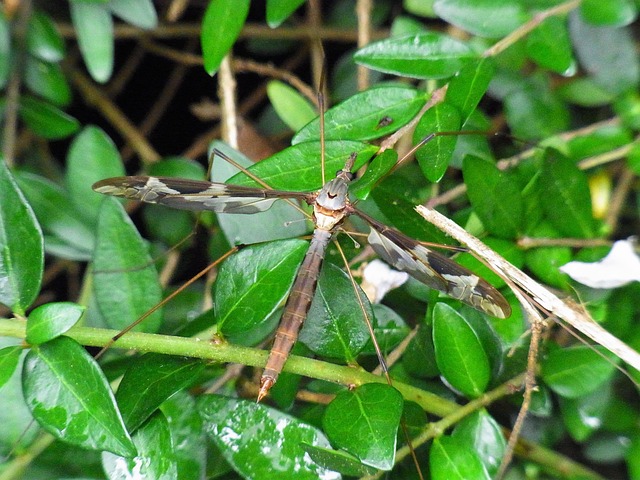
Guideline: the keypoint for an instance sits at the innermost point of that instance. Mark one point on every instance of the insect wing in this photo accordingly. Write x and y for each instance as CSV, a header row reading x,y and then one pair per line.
x,y
435,270
194,194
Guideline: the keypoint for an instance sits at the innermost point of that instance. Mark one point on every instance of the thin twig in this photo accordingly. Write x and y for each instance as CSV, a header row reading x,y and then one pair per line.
x,y
363,12
227,94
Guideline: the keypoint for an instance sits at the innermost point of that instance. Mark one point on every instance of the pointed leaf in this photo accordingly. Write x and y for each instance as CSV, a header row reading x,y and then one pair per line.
x,y
43,39
21,247
51,320
140,13
94,27
46,80
449,459
279,10
376,170
46,120
549,46
126,283
221,26
485,18
364,422
469,86
291,107
258,441
69,396
9,357
483,435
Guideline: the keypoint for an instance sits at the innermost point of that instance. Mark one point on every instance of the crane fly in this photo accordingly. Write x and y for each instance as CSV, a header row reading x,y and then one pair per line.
x,y
331,206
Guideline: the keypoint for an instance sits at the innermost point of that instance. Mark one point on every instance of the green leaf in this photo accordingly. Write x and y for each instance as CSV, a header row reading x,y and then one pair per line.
x,y
584,92
545,262
359,117
253,283
125,282
614,13
469,85
607,54
577,371
425,55
155,458
47,80
335,326
294,109
364,422
9,358
485,18
66,234
221,26
94,27
376,170
92,156
45,119
43,39
69,396
338,461
435,155
449,459
298,167
495,197
584,415
565,196
21,247
149,381
258,441
549,46
480,433
279,10
51,320
5,52
140,13
459,353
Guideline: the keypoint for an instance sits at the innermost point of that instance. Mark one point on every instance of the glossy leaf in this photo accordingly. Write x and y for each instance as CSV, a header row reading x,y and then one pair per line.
x,y
615,13
22,260
66,234
298,167
155,458
221,26
46,80
435,155
126,283
92,156
371,114
69,396
51,320
364,422
376,170
335,326
294,109
468,86
565,196
338,461
257,440
425,55
495,196
140,13
43,39
94,27
459,353
254,282
584,415
449,459
45,119
279,10
549,46
149,381
9,358
577,371
483,435
485,18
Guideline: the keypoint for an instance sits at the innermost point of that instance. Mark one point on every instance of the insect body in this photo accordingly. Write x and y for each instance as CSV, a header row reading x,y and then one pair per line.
x,y
331,206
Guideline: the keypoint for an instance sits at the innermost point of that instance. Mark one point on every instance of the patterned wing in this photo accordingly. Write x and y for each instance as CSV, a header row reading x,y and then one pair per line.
x,y
434,269
194,194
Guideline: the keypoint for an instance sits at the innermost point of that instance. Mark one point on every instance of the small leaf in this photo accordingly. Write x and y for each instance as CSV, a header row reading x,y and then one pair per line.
x,y
482,435
469,85
46,80
459,353
614,13
565,196
291,107
253,439
485,18
449,459
43,39
359,117
94,27
577,371
51,320
495,196
149,381
155,458
279,10
253,283
376,170
364,422
21,247
140,13
435,155
221,26
9,357
45,119
549,46
584,415
425,55
125,280
338,461
71,399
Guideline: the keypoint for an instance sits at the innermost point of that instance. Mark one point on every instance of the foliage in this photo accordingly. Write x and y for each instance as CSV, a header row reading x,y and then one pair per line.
x,y
562,77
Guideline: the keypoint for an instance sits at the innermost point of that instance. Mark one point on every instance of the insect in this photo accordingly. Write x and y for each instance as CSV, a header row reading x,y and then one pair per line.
x,y
331,206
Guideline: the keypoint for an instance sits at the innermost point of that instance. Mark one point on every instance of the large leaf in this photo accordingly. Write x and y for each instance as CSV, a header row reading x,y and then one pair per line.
x,y
71,399
450,459
221,26
482,434
21,244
